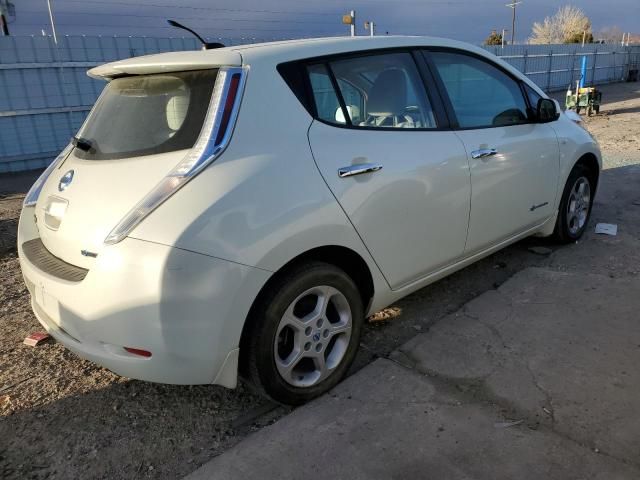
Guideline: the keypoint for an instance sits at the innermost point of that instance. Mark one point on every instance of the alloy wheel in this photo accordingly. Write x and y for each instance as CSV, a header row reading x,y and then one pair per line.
x,y
578,205
313,336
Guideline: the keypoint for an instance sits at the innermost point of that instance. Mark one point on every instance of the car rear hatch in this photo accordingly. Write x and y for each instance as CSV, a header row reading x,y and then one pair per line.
x,y
142,128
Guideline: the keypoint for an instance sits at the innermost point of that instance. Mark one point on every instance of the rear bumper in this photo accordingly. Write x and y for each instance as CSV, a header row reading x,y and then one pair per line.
x,y
187,309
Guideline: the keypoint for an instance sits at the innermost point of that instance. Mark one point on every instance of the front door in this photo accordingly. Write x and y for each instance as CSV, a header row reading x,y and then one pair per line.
x,y
404,184
514,161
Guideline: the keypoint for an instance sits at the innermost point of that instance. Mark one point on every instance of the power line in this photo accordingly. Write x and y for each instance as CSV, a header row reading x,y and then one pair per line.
x,y
257,20
170,28
186,7
424,3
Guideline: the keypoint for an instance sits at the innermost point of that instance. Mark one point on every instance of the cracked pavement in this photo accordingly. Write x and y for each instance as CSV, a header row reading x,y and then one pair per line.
x,y
535,379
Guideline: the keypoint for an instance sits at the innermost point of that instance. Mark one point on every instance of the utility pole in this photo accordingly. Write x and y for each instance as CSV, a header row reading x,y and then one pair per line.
x,y
513,6
504,32
353,23
53,26
4,13
371,26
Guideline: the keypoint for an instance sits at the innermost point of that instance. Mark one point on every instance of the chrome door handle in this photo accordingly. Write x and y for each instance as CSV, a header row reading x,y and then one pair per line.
x,y
484,153
358,169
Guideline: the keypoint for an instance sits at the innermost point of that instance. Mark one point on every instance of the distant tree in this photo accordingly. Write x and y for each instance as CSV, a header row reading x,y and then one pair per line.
x,y
610,35
577,37
567,26
494,38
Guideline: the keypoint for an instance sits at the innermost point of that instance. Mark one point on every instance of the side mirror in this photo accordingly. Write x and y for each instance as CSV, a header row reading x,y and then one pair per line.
x,y
547,111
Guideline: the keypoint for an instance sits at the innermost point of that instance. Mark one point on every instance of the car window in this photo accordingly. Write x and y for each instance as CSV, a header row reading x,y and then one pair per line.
x,y
379,91
481,94
534,96
324,95
148,114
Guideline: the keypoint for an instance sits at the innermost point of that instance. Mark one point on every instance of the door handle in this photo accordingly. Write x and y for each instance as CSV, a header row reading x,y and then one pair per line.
x,y
358,169
484,153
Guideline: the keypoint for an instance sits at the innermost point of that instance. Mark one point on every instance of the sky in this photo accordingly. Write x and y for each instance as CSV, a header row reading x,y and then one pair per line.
x,y
467,20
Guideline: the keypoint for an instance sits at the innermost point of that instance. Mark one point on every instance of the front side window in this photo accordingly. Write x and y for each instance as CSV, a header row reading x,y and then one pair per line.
x,y
378,91
534,97
482,95
147,114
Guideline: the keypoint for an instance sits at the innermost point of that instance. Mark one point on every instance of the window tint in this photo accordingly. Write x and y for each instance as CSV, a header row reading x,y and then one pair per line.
x,y
148,114
353,99
379,91
534,96
481,94
325,97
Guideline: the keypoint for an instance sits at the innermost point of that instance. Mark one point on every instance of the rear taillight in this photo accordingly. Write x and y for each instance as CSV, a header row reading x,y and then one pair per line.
x,y
228,107
213,139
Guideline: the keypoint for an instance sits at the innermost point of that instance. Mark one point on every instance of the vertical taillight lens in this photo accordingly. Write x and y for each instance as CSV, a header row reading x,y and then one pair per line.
x,y
228,108
214,138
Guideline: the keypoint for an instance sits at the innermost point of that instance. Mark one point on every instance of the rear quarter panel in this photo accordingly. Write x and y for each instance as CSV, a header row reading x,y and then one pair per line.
x,y
263,202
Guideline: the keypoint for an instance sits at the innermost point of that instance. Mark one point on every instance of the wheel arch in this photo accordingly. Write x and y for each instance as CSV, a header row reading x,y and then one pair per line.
x,y
342,257
590,162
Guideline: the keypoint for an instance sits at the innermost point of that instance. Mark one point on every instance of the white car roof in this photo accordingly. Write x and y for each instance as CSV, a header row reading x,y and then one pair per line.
x,y
276,52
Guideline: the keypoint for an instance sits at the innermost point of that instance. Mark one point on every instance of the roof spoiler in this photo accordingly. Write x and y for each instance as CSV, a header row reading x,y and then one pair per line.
x,y
205,45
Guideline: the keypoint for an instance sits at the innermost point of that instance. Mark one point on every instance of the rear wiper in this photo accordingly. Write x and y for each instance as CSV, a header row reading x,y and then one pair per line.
x,y
83,144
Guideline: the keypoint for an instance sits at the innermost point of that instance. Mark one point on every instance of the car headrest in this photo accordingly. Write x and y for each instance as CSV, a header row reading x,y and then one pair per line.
x,y
352,110
388,95
177,111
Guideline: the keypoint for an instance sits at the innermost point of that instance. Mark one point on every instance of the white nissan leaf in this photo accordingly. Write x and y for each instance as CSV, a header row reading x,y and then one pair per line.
x,y
240,211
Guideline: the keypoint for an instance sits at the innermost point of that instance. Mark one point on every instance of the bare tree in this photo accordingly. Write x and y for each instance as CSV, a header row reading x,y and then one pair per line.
x,y
610,35
568,25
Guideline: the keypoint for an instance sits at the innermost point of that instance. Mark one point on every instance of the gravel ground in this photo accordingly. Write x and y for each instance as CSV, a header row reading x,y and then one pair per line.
x,y
63,417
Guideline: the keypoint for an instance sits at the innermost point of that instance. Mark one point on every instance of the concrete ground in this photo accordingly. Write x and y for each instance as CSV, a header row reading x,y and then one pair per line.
x,y
535,379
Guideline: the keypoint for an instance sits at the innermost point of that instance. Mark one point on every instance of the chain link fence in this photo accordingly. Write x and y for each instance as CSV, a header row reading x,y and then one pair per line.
x,y
45,93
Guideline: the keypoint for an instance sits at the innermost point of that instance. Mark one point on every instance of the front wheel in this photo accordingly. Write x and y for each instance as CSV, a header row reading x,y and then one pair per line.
x,y
304,334
575,206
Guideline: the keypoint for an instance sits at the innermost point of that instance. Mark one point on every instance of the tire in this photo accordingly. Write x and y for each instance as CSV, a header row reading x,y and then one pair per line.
x,y
289,335
574,212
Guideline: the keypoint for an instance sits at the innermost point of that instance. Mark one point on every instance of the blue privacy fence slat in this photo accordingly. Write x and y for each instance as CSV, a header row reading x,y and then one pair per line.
x,y
45,93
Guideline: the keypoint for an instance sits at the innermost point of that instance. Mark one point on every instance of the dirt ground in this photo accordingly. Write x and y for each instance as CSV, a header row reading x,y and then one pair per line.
x,y
63,417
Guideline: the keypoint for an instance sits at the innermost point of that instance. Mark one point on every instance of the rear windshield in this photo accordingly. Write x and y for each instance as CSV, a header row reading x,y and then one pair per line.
x,y
147,114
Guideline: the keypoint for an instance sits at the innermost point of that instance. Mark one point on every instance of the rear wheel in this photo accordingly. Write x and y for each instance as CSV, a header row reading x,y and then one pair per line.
x,y
304,333
575,205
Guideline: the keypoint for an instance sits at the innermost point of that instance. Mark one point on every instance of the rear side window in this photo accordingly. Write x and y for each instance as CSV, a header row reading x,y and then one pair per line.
x,y
379,91
148,114
324,95
481,94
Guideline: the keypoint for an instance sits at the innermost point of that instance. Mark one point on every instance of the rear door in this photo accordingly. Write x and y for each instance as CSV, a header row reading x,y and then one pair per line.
x,y
514,161
382,146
